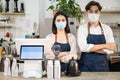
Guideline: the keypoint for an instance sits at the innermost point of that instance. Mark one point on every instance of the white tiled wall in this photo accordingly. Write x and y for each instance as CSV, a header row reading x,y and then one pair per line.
x,y
18,23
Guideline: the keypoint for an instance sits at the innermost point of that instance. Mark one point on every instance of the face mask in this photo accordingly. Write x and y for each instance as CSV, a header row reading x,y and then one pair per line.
x,y
93,17
60,25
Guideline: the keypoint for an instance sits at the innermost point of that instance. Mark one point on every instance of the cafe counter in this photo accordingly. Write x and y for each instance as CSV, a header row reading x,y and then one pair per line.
x,y
83,76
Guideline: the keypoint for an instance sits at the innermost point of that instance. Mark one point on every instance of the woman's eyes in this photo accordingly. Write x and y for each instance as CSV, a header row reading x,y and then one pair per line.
x,y
62,20
58,20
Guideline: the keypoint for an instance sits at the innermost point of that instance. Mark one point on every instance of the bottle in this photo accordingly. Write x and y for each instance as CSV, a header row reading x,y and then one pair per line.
x,y
33,35
22,7
7,6
11,4
7,70
6,67
0,53
16,6
50,69
14,67
4,5
0,50
57,69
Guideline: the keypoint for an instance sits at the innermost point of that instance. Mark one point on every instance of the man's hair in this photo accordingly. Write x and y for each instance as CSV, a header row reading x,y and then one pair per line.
x,y
93,3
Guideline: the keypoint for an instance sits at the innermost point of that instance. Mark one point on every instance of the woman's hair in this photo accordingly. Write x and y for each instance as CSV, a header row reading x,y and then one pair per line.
x,y
93,3
54,28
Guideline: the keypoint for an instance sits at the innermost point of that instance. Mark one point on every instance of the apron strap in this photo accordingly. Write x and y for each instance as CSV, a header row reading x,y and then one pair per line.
x,y
67,38
55,37
88,28
100,27
65,35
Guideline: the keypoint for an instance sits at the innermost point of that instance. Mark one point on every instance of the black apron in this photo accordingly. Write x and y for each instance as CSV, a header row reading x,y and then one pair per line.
x,y
65,47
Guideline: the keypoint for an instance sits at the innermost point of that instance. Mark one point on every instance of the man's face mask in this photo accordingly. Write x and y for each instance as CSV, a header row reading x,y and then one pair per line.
x,y
93,17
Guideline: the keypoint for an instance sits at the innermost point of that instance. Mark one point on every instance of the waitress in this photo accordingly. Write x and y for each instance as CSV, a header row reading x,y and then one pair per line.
x,y
61,36
95,41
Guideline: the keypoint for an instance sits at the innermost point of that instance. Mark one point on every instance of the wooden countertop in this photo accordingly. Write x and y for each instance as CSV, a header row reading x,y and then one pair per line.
x,y
114,58
83,76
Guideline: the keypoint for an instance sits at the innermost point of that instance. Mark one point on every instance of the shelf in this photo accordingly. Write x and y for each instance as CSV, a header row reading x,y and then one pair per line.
x,y
115,27
8,26
112,11
5,25
8,13
108,11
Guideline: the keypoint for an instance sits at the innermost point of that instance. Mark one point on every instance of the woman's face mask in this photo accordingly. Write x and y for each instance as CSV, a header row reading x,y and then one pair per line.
x,y
60,22
60,25
93,17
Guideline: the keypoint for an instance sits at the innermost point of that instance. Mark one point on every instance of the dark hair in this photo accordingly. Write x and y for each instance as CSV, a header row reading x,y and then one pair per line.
x,y
93,3
54,28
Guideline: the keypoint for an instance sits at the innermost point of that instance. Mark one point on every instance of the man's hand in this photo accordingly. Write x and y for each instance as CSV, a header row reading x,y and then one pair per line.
x,y
101,52
110,46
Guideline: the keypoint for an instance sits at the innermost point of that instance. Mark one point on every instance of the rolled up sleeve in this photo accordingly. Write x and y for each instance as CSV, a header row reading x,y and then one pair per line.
x,y
109,38
48,51
108,34
82,39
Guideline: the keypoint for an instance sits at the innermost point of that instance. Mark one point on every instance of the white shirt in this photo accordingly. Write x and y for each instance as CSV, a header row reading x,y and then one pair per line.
x,y
83,33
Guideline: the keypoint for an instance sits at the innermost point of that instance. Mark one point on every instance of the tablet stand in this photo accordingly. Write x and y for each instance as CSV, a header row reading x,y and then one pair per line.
x,y
32,68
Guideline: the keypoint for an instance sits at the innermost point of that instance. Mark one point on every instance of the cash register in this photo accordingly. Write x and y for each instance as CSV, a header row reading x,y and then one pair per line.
x,y
32,56
31,51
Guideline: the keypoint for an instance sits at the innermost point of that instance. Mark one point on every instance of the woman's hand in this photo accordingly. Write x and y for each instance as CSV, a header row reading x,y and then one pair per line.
x,y
61,54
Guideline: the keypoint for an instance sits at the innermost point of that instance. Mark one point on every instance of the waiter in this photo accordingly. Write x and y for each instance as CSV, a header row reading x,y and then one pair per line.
x,y
95,41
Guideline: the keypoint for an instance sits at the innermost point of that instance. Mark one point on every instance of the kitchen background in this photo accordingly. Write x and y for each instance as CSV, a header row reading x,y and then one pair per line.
x,y
37,19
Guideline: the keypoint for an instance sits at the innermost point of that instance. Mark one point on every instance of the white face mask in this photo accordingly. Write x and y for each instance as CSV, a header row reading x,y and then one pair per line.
x,y
93,17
